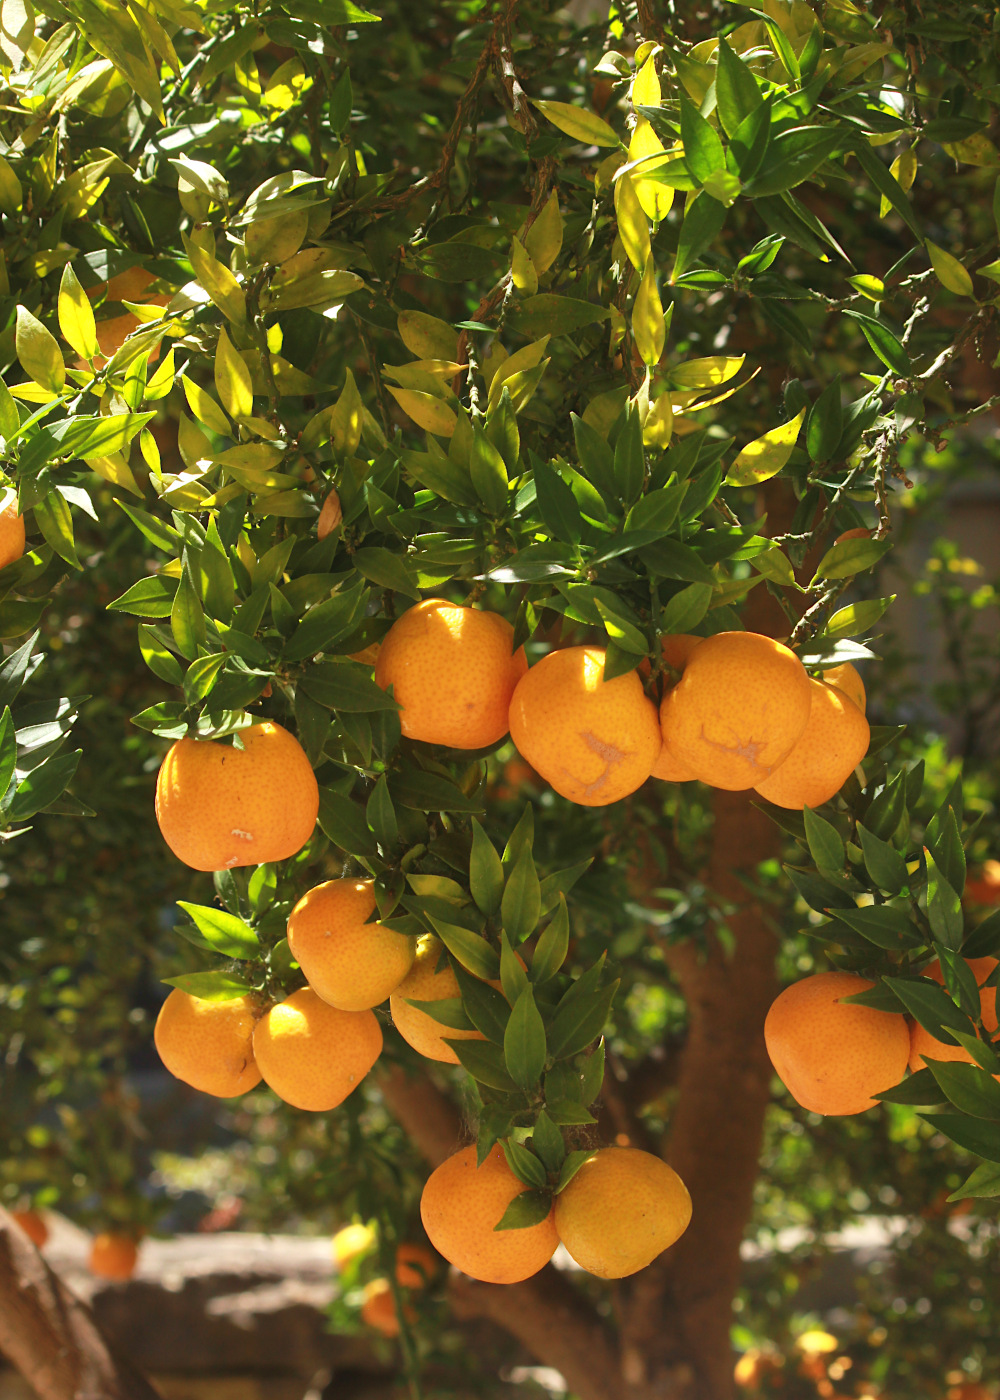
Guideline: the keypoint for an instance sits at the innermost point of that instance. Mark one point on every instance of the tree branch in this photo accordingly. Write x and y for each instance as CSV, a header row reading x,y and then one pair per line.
x,y
423,1111
51,1336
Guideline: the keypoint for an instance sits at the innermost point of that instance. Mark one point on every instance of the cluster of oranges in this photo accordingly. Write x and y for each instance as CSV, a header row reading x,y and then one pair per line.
x,y
415,1266
112,1255
834,1056
743,714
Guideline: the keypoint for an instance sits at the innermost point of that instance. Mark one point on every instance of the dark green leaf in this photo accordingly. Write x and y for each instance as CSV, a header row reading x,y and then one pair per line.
x,y
704,218
524,1041
489,474
825,844
547,1141
930,1004
885,344
557,504
345,685
485,1062
883,862
485,871
468,948
523,1163
552,946
736,90
973,1134
917,1089
577,1023
343,821
825,423
968,1087
526,1209
881,924
43,785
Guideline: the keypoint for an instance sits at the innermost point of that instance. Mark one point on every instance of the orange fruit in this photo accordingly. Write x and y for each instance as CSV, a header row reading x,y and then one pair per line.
x,y
453,671
352,1242
219,806
858,533
416,1265
330,516
208,1044
12,537
460,1207
755,1366
738,710
594,741
113,1255
350,963
621,1209
32,1222
313,1055
985,887
846,678
368,655
130,285
378,1308
831,746
676,649
426,982
922,1043
832,1056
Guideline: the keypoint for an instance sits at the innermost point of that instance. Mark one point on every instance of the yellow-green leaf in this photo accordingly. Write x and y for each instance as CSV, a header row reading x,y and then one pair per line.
x,y
76,315
765,456
904,167
38,351
232,379
577,122
659,425
871,287
976,149
274,240
346,419
522,269
218,281
426,336
544,239
286,85
647,318
117,470
204,407
427,412
706,373
646,87
655,198
949,271
526,358
633,227
10,188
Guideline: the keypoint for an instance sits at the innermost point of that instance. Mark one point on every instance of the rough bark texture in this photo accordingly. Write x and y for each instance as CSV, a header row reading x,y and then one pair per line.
x,y
50,1336
427,1115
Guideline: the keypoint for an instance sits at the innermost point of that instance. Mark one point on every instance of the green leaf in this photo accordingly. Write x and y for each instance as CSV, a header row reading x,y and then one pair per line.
x,y
686,609
344,823
8,751
43,785
39,353
488,1009
52,515
629,461
571,1166
76,315
579,1021
984,1182
523,1163
887,808
430,792
736,90
579,123
210,986
201,676
381,815
881,924
944,907
521,902
526,1209
345,686
561,882
825,844
502,431
886,345
857,617
973,1134
704,218
524,1042
552,946
326,624
548,314
513,977
968,1087
765,456
944,840
485,872
887,185
447,1011
386,568
794,156
703,153
984,941
485,1062
14,670
883,862
930,1004
557,504
160,661
489,474
224,932
850,557
187,617
468,948
596,460
150,597
825,423
917,1089
547,1142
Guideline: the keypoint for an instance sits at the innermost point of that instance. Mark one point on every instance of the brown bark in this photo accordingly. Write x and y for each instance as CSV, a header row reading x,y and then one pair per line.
x,y
426,1114
51,1336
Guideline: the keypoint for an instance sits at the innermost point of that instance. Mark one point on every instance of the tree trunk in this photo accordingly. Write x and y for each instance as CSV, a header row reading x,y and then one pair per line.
x,y
51,1336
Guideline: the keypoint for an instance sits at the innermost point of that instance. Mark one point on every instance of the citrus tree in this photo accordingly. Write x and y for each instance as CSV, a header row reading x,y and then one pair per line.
x,y
481,372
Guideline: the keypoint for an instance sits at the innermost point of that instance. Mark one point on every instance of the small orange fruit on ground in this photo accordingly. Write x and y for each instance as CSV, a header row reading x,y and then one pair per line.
x,y
32,1222
738,710
594,741
984,888
352,1242
208,1044
831,746
460,1207
350,963
219,806
426,981
453,671
621,1209
378,1308
12,537
830,1055
313,1055
416,1264
113,1255
922,1043
846,678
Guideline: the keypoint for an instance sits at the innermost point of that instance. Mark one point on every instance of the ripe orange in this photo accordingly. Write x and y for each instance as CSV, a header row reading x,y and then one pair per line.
x,y
833,743
832,1056
313,1055
368,655
12,538
352,1242
738,710
676,649
621,1209
330,516
113,1255
424,982
984,888
378,1308
416,1265
594,741
32,1222
846,678
348,962
453,671
922,1043
130,285
219,806
208,1044
460,1206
